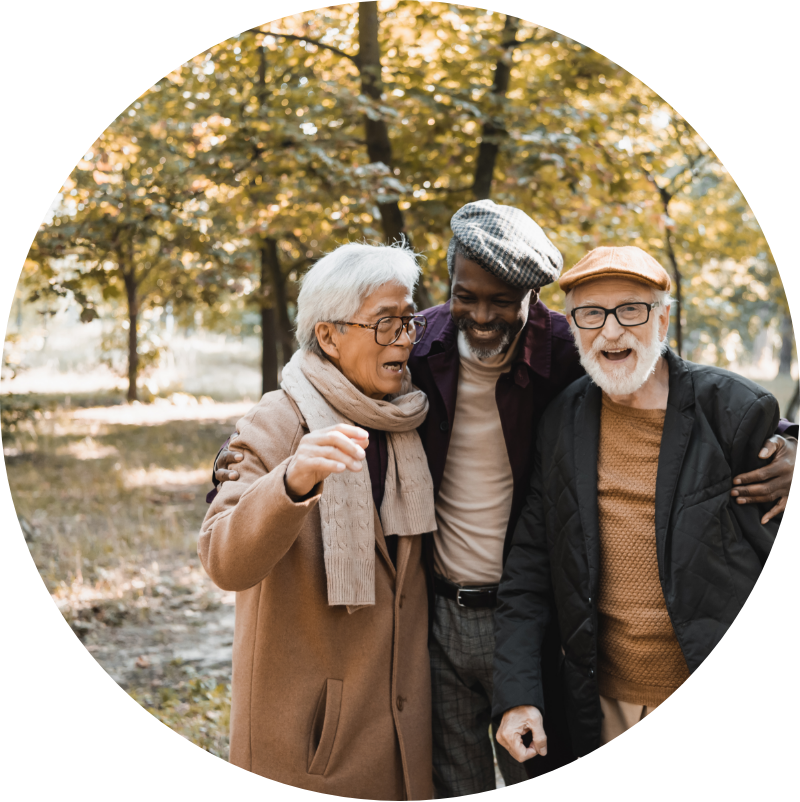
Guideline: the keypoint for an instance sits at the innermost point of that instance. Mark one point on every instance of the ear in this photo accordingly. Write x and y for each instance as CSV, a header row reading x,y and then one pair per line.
x,y
663,323
328,338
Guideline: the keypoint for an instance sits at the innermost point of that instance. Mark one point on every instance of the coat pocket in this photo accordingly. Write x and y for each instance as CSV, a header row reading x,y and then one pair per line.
x,y
323,729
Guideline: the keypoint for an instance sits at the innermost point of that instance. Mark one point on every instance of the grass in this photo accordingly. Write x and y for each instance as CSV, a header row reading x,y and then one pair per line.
x,y
110,512
97,496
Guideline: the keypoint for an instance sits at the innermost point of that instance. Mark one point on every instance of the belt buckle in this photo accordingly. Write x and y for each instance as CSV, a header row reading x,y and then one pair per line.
x,y
458,599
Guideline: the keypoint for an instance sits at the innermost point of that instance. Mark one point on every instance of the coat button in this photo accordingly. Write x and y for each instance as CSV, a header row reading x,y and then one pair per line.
x,y
591,672
590,599
444,426
401,703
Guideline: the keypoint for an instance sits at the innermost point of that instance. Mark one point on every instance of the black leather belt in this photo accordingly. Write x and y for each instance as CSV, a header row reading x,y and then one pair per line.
x,y
485,596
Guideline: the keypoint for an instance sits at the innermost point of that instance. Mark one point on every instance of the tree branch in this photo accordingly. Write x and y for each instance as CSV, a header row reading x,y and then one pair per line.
x,y
295,38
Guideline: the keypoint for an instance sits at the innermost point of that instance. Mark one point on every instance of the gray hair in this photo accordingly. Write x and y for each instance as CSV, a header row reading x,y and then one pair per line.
x,y
336,286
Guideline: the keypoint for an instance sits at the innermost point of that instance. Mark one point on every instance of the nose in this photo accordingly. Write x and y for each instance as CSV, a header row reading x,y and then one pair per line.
x,y
404,340
612,328
482,313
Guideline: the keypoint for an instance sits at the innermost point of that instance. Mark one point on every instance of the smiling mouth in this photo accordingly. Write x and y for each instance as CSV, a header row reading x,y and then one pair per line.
x,y
395,368
617,355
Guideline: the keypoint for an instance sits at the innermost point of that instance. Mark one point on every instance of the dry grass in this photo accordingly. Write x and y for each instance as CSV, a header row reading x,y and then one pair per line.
x,y
111,500
96,495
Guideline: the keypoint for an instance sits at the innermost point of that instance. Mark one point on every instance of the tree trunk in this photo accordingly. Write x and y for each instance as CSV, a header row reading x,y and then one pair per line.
x,y
376,133
282,326
269,342
787,341
676,274
269,351
133,344
493,131
379,148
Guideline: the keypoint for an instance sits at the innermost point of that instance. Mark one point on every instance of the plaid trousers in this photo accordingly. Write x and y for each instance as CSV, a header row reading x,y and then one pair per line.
x,y
461,650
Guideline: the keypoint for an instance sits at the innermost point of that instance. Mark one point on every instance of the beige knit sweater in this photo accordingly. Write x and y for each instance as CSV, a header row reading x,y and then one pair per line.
x,y
640,660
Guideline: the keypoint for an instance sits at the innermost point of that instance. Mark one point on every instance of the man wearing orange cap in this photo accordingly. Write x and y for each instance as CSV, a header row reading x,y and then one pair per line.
x,y
629,526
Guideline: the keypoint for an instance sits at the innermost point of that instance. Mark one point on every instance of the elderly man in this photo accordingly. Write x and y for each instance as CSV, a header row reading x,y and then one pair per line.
x,y
629,525
321,538
492,359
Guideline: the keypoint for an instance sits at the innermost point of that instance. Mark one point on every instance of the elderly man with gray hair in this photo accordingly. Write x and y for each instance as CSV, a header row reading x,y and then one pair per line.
x,y
321,538
629,531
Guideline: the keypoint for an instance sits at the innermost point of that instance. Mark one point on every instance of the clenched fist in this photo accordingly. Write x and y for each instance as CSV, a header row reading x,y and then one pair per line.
x,y
516,723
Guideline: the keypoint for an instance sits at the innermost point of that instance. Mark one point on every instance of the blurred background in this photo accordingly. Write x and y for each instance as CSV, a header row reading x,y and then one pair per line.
x,y
157,301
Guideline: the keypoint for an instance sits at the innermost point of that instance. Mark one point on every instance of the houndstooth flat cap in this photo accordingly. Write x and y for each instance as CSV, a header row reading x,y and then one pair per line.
x,y
504,241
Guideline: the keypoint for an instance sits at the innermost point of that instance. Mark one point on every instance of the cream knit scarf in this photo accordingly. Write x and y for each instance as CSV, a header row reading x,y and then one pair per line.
x,y
325,397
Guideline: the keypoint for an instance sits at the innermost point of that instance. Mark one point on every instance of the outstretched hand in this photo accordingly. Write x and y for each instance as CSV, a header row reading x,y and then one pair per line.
x,y
772,482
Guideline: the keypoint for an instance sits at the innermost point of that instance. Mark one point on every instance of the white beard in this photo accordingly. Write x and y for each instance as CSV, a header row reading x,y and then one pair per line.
x,y
616,381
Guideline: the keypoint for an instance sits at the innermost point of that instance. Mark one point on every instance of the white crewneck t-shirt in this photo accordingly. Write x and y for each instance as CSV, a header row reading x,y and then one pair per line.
x,y
474,499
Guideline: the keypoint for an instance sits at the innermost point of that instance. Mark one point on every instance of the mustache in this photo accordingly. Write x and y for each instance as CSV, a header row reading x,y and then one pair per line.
x,y
625,340
465,324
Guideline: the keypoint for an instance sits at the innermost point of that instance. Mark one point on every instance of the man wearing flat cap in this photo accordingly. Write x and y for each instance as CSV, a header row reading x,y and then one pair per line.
x,y
629,526
492,359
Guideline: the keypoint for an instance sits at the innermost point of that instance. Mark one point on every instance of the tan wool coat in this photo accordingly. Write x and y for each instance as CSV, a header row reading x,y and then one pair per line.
x,y
322,699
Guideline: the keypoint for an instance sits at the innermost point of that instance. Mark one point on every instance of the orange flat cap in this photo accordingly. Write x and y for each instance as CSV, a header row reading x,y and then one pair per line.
x,y
625,262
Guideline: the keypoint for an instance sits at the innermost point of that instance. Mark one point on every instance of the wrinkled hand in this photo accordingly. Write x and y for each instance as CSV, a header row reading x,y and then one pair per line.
x,y
226,458
515,724
772,482
323,452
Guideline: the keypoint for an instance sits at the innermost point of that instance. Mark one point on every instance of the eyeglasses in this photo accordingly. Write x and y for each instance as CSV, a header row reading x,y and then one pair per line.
x,y
388,329
594,317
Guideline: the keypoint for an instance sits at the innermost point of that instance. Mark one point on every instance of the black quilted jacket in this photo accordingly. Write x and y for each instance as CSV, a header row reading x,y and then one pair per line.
x,y
710,550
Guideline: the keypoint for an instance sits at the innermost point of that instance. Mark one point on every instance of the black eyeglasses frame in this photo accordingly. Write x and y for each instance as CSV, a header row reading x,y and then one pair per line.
x,y
614,312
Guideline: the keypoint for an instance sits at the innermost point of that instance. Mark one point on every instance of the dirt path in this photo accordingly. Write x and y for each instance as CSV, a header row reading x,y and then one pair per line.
x,y
164,634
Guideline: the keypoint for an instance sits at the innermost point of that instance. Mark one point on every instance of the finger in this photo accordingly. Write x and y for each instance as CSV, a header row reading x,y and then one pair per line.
x,y
227,458
776,510
512,742
539,741
344,444
754,494
353,432
337,455
323,466
760,475
222,476
770,447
